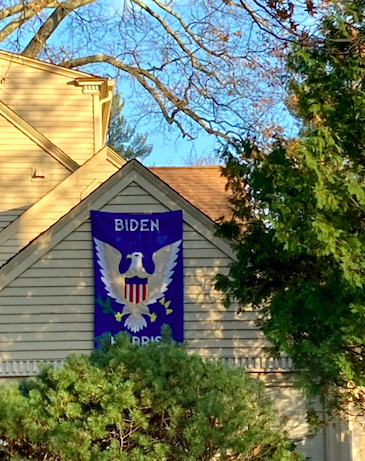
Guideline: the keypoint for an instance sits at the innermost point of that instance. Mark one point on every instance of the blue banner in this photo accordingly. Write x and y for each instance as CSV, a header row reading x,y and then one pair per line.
x,y
138,269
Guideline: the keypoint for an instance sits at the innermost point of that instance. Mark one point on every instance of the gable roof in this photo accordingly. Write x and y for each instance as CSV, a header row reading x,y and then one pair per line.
x,y
43,65
132,172
87,81
51,201
202,186
37,137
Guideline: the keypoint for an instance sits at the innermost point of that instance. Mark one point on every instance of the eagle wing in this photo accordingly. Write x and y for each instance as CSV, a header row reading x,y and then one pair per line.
x,y
109,259
165,262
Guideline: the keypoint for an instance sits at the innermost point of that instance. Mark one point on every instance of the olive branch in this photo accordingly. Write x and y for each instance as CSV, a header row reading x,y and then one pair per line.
x,y
107,308
105,305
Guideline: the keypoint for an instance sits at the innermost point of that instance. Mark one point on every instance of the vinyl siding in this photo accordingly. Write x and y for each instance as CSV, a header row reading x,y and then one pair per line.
x,y
48,310
18,155
291,405
61,283
358,440
56,209
52,104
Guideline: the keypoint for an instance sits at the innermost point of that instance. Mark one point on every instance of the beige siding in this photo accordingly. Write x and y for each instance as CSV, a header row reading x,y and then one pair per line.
x,y
18,155
358,440
98,176
52,104
57,291
55,209
291,405
48,310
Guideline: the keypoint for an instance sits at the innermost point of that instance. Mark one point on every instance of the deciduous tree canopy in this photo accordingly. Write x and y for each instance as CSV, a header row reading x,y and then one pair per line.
x,y
208,65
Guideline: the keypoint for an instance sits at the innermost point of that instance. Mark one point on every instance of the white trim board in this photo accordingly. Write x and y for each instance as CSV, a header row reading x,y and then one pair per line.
x,y
45,66
37,137
132,172
66,185
15,368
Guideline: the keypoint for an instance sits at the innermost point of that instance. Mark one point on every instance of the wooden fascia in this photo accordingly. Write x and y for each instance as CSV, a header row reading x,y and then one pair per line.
x,y
97,88
58,192
132,172
117,160
37,137
106,107
42,65
91,85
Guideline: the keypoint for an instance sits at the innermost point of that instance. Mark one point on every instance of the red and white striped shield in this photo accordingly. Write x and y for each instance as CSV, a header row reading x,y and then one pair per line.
x,y
135,290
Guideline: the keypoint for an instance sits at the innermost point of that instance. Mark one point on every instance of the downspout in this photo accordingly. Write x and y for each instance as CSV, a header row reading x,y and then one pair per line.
x,y
107,98
105,120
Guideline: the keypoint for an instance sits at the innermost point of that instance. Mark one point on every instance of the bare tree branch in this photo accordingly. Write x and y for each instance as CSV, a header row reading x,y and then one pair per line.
x,y
176,37
196,39
35,6
15,9
37,43
143,76
15,24
212,65
27,11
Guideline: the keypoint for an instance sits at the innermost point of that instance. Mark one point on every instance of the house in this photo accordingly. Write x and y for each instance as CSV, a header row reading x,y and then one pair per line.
x,y
55,169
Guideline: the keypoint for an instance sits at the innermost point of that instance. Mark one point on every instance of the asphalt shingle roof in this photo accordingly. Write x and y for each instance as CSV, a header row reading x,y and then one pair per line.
x,y
202,186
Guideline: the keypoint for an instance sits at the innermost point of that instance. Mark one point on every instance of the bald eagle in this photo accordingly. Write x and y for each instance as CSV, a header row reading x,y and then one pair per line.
x,y
109,259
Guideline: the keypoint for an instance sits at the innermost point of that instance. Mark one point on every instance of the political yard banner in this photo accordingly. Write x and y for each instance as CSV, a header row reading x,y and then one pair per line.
x,y
138,271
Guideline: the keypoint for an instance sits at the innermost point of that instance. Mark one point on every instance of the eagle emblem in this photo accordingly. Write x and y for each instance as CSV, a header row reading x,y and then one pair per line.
x,y
136,289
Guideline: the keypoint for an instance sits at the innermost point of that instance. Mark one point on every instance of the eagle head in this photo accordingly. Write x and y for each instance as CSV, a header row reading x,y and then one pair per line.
x,y
136,263
135,256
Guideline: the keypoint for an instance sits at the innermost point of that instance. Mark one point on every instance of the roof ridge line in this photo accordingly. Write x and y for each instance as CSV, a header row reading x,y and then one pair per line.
x,y
35,249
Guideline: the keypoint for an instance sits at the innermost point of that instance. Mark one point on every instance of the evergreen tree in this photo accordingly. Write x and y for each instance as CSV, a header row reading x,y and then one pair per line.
x,y
131,403
122,137
301,243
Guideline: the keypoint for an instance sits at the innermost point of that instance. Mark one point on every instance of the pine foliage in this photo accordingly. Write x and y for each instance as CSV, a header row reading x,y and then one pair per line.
x,y
122,137
140,403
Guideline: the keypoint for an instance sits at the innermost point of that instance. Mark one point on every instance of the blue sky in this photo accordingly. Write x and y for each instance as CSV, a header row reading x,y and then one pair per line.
x,y
173,150
169,148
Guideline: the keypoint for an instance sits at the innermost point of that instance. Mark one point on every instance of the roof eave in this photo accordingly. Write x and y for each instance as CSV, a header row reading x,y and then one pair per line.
x,y
38,247
42,65
37,137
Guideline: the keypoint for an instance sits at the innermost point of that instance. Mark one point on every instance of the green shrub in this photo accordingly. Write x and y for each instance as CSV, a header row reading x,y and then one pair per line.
x,y
140,403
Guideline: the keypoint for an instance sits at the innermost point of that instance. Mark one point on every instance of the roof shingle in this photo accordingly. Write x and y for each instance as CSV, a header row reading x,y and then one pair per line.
x,y
203,187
